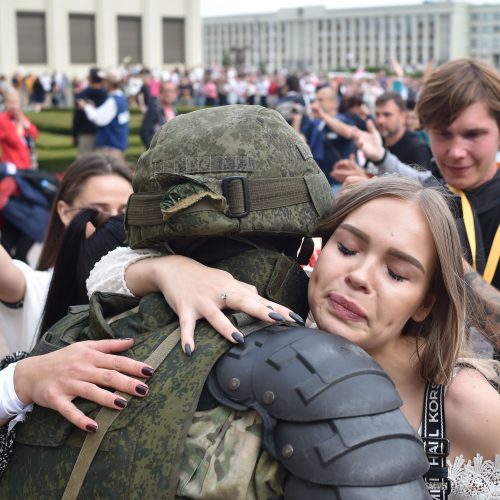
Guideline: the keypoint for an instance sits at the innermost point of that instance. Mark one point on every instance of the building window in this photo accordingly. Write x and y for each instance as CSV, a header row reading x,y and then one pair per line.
x,y
82,38
173,41
31,38
129,39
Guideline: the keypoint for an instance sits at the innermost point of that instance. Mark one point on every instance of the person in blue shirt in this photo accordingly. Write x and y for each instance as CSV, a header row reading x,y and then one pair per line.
x,y
112,117
329,134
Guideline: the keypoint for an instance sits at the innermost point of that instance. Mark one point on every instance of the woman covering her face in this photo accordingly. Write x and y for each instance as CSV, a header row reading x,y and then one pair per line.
x,y
389,279
101,183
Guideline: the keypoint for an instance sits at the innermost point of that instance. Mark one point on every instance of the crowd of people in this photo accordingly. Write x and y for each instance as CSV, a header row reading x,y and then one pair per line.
x,y
408,270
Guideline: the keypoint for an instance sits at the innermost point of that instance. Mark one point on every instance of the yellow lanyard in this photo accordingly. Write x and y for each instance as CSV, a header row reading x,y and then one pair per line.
x,y
493,258
494,255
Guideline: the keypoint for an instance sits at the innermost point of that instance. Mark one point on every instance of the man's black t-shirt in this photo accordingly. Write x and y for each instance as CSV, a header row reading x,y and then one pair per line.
x,y
146,94
81,124
410,149
485,201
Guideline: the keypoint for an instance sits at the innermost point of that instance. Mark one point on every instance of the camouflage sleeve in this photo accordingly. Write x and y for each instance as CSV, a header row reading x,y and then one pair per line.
x,y
223,458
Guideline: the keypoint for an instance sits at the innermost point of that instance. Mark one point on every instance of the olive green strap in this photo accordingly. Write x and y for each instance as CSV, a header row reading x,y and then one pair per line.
x,y
243,196
105,418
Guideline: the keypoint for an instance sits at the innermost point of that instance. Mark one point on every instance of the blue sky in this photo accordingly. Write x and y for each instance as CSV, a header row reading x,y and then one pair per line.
x,y
230,7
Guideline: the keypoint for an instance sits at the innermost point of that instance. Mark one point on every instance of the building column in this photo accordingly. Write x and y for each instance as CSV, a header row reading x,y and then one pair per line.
x,y
106,32
287,41
333,46
315,41
437,37
278,61
372,41
306,46
9,52
414,40
152,39
402,41
193,26
459,29
57,29
363,59
392,39
343,45
382,42
425,38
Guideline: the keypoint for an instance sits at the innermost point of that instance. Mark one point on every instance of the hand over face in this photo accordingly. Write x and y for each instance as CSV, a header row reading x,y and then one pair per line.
x,y
317,110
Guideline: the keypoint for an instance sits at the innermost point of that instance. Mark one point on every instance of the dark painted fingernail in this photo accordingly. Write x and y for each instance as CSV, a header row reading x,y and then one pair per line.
x,y
297,318
91,427
147,371
238,337
270,307
276,316
121,403
187,350
141,389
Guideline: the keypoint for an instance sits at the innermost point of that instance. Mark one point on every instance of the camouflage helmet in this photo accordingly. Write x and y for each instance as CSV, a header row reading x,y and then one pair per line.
x,y
226,171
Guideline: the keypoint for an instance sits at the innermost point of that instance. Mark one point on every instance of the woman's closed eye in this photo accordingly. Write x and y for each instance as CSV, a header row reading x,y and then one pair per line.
x,y
348,252
345,250
395,276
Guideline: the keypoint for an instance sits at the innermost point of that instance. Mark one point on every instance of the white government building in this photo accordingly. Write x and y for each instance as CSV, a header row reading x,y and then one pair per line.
x,y
320,39
73,35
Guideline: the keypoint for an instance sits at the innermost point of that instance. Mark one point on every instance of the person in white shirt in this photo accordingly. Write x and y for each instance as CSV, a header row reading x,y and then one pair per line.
x,y
97,181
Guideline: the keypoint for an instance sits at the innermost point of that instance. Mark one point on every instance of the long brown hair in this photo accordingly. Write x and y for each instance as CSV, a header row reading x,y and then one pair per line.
x,y
71,186
444,329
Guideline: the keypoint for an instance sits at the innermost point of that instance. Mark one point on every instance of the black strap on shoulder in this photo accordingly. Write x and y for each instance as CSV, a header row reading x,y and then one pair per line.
x,y
436,445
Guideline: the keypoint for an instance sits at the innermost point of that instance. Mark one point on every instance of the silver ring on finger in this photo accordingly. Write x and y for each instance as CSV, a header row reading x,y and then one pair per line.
x,y
224,296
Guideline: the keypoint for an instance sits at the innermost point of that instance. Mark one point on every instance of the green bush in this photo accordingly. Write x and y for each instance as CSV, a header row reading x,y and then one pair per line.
x,y
55,150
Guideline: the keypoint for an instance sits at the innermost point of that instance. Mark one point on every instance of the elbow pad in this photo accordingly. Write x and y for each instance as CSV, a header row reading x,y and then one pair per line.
x,y
331,415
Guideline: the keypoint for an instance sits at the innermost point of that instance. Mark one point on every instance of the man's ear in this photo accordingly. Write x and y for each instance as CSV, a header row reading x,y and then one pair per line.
x,y
63,211
425,308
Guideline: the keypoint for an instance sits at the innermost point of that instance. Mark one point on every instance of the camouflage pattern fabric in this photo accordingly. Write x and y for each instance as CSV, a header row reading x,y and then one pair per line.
x,y
179,188
223,458
142,453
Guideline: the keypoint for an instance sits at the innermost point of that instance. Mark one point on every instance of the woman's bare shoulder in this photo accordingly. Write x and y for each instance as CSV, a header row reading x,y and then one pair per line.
x,y
472,409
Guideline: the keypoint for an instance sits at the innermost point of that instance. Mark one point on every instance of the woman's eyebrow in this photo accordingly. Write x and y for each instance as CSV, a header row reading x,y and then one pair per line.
x,y
99,205
406,257
357,232
392,251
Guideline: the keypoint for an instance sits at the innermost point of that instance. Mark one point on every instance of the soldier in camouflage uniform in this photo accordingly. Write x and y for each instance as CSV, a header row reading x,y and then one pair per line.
x,y
236,189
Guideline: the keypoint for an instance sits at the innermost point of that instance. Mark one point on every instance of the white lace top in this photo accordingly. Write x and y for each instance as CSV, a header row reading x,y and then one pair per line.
x,y
108,274
477,479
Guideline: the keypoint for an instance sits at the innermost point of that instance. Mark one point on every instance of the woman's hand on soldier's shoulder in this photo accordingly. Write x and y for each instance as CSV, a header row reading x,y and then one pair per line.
x,y
195,291
81,370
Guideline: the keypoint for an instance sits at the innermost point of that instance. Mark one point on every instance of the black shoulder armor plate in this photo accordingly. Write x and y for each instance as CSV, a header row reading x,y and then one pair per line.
x,y
331,414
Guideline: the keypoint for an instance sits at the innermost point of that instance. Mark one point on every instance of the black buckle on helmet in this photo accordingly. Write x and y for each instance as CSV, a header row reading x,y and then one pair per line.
x,y
226,191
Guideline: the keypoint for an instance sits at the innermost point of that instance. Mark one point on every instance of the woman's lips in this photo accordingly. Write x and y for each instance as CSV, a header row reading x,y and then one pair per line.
x,y
345,309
